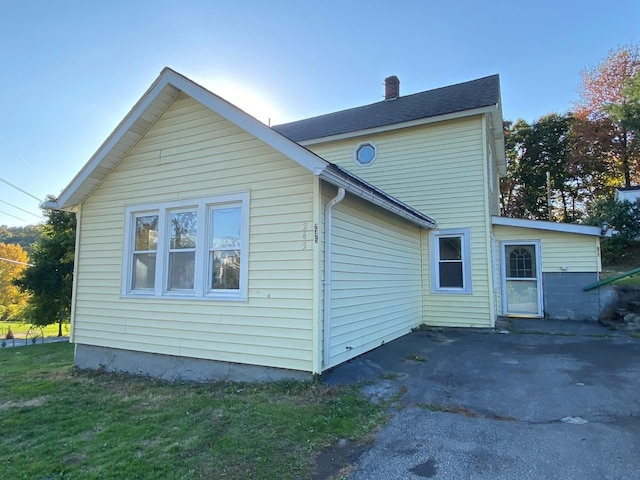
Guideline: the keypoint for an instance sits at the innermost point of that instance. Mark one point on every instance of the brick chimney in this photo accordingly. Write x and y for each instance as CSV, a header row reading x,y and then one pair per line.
x,y
391,88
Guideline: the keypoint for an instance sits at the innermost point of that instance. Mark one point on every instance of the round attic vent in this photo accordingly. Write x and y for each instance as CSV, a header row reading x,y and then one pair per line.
x,y
365,154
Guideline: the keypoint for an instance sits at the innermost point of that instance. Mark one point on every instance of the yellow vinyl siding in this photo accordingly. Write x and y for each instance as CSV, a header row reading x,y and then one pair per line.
x,y
578,253
376,284
438,169
192,152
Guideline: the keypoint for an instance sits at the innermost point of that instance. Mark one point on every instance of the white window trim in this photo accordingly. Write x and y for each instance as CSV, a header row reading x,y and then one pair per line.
x,y
355,154
434,248
203,207
503,274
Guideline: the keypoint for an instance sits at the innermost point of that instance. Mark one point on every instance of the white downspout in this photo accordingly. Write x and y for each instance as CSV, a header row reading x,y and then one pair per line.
x,y
328,221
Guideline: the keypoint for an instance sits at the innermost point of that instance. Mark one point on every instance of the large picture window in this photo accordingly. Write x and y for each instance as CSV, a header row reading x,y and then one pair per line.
x,y
194,248
450,261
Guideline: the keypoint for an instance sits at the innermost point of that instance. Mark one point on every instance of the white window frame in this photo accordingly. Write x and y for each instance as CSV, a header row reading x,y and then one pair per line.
x,y
355,154
201,289
465,245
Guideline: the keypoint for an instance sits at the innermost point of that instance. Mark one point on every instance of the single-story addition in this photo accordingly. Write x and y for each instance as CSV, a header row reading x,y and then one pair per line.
x,y
211,246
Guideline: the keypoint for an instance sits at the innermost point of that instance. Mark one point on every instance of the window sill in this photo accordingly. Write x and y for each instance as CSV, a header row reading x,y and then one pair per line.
x,y
451,292
206,298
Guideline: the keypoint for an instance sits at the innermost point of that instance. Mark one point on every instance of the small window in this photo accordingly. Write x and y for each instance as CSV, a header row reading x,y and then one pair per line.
x,y
193,248
521,263
365,154
450,261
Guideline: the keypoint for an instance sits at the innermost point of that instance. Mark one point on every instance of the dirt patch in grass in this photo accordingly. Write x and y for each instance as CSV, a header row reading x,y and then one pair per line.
x,y
32,402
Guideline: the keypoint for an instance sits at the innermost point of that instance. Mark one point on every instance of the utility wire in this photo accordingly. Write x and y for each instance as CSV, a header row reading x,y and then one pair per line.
x,y
22,209
19,189
18,218
14,261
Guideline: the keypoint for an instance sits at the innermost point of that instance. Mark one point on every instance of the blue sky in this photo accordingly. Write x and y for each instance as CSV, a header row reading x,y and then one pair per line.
x,y
71,70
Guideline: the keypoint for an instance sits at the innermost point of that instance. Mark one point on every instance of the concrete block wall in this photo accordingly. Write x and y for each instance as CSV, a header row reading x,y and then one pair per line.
x,y
564,298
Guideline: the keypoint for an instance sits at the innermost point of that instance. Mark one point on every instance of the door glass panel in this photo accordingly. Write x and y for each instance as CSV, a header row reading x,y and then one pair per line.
x,y
522,297
521,261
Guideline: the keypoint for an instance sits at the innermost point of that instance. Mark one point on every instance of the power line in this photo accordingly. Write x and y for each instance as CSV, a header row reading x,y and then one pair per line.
x,y
18,218
14,261
22,209
20,190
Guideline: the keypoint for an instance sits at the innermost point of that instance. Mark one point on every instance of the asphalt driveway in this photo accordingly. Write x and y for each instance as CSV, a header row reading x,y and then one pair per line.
x,y
547,400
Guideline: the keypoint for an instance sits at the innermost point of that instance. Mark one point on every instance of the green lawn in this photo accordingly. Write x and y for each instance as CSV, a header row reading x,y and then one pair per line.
x,y
20,330
56,422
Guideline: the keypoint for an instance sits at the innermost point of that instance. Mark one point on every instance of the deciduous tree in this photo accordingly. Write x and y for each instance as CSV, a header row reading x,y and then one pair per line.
x,y
532,151
13,260
624,217
50,279
603,87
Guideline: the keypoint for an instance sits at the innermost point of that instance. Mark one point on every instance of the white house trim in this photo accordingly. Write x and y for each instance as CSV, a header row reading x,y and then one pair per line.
x,y
465,245
537,244
550,226
155,102
203,207
374,196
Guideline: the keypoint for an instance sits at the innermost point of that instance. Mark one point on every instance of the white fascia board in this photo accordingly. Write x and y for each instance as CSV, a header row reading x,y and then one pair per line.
x,y
396,126
376,199
232,113
550,226
50,205
113,139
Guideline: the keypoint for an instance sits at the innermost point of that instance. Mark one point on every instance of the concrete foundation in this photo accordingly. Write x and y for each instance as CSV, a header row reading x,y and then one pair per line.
x,y
564,298
172,368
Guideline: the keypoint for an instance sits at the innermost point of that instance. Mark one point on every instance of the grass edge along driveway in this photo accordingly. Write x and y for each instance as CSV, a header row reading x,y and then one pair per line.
x,y
58,422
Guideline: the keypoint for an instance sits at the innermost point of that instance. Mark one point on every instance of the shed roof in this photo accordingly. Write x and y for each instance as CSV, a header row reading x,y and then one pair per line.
x,y
549,226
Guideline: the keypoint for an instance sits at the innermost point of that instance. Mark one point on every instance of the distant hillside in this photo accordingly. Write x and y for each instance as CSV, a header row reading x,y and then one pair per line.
x,y
23,236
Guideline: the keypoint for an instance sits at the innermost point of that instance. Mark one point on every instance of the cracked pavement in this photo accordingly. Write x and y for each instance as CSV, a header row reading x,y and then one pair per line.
x,y
490,405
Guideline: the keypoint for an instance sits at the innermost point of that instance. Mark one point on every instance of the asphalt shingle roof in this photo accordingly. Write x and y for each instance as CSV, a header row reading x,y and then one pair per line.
x,y
478,93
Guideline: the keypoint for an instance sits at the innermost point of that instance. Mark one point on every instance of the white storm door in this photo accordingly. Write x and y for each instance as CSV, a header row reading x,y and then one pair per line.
x,y
521,279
